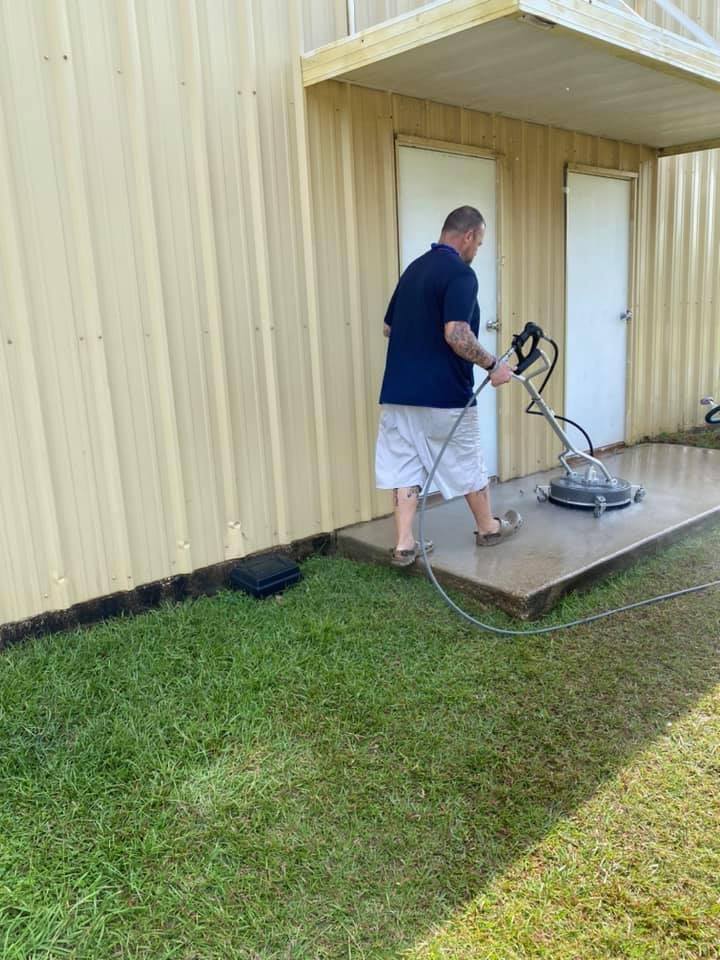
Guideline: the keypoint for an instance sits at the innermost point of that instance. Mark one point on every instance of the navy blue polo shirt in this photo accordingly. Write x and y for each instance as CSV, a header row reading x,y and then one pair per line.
x,y
421,369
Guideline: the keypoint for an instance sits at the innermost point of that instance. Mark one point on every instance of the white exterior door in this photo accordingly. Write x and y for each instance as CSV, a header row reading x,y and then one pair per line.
x,y
431,184
598,282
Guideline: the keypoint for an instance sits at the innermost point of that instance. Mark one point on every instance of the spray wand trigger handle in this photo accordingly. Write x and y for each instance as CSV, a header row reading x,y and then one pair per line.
x,y
534,333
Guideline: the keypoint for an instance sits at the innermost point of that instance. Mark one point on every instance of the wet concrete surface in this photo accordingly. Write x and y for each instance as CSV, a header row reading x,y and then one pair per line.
x,y
558,549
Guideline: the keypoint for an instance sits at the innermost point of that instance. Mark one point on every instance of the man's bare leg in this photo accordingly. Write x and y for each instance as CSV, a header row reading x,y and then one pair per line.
x,y
479,503
406,501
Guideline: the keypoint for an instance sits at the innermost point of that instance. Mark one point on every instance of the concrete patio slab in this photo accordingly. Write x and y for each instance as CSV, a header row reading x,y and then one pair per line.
x,y
558,550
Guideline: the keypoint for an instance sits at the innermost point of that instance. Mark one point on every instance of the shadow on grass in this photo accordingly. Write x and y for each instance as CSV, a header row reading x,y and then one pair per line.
x,y
328,776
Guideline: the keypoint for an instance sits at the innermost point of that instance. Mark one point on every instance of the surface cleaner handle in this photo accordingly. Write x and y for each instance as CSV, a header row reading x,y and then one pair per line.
x,y
534,333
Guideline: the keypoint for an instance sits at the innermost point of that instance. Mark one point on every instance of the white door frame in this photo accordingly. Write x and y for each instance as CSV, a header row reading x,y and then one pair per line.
x,y
614,174
468,150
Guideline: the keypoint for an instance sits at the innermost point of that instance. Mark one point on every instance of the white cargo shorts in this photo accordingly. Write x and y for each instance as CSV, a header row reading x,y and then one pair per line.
x,y
410,438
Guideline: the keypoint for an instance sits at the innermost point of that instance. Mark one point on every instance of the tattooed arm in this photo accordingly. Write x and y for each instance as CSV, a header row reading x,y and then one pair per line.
x,y
463,341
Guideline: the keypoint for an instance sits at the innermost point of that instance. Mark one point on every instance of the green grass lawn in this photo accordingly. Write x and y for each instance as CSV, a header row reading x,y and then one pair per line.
x,y
353,772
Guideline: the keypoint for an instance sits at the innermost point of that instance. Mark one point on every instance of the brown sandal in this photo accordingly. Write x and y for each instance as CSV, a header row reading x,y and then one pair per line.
x,y
509,525
406,558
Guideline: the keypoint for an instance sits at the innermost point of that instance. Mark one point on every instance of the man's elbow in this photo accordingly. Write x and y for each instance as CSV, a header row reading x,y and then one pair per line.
x,y
454,332
386,330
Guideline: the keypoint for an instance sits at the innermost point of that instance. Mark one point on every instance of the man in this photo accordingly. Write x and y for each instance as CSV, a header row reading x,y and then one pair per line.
x,y
432,323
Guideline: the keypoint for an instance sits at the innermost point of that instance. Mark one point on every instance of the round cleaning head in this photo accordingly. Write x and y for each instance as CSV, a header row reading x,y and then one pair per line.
x,y
590,495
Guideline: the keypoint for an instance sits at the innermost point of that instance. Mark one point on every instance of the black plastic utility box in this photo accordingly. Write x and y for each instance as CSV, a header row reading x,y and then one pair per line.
x,y
265,575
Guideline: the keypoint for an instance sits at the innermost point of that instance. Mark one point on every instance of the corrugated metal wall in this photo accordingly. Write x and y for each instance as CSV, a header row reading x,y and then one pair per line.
x,y
189,365
677,358
163,405
369,12
706,13
677,353
325,20
678,278
352,150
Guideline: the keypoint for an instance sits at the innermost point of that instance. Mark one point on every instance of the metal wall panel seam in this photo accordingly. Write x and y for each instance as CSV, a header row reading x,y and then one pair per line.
x,y
20,553
692,290
264,295
709,346
655,413
633,282
176,253
676,266
678,271
279,153
97,443
710,382
323,22
368,12
709,373
706,14
355,319
37,549
189,284
506,240
328,199
58,393
705,202
309,261
641,341
129,273
258,511
84,276
18,569
229,537
638,374
682,307
384,160
104,132
55,252
635,379
523,304
370,113
556,156
657,396
167,462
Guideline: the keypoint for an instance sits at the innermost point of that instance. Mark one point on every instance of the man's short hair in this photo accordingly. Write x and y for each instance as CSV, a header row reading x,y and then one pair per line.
x,y
462,220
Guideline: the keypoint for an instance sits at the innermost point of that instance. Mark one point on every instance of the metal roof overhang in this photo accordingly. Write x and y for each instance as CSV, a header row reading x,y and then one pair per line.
x,y
574,64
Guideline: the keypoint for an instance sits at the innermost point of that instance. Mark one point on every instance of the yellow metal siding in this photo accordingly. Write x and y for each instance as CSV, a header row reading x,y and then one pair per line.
x,y
327,20
323,22
677,354
678,349
191,339
160,375
357,201
370,12
706,13
354,219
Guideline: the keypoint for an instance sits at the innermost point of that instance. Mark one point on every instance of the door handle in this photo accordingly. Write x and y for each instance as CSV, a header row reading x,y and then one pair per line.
x,y
627,316
493,325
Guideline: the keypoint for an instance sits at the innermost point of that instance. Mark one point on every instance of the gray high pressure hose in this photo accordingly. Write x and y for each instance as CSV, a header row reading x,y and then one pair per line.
x,y
487,627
